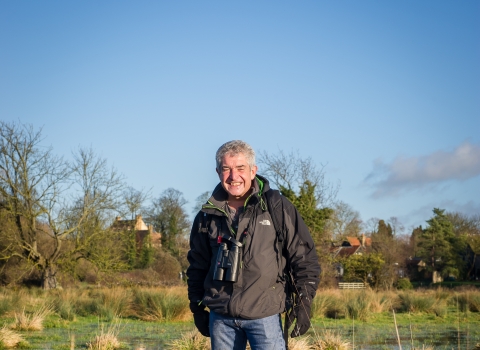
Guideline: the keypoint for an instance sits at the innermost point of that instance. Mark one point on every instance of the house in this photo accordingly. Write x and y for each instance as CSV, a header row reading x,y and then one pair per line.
x,y
140,228
350,246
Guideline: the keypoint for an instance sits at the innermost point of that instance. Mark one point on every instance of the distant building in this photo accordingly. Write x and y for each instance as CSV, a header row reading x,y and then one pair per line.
x,y
140,229
350,246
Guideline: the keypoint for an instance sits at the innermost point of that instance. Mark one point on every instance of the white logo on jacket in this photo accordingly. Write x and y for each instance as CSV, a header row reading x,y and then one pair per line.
x,y
265,222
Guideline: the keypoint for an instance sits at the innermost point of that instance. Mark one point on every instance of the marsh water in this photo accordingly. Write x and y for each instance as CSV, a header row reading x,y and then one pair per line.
x,y
157,336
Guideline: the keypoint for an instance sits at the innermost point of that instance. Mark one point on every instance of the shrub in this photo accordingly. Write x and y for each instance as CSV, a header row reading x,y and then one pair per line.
x,y
404,284
166,266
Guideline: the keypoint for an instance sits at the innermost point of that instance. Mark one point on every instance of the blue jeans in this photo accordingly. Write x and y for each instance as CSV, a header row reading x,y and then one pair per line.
x,y
229,333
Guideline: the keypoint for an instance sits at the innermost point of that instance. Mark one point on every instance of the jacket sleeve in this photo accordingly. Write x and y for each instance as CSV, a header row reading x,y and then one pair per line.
x,y
302,256
199,257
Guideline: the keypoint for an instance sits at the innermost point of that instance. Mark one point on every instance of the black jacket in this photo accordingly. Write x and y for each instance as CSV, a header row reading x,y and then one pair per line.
x,y
259,292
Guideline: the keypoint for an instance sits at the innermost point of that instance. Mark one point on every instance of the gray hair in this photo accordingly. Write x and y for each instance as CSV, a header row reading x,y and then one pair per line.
x,y
232,148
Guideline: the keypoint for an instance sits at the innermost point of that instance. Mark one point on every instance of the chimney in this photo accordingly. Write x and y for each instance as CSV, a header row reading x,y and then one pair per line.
x,y
118,218
150,229
363,239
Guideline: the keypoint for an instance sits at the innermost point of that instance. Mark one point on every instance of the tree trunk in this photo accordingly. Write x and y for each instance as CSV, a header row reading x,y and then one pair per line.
x,y
49,279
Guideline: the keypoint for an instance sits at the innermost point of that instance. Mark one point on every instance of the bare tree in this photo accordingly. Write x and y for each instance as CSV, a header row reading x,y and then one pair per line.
x,y
292,171
201,200
49,200
31,180
344,222
96,198
397,226
134,200
170,218
371,225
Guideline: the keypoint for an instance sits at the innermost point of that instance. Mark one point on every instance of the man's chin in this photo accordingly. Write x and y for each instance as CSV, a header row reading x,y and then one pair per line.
x,y
236,193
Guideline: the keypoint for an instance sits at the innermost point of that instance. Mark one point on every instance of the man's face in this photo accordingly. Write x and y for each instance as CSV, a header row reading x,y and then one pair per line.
x,y
236,175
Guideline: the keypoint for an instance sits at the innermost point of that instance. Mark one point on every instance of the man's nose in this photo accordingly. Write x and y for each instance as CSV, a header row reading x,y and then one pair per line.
x,y
233,174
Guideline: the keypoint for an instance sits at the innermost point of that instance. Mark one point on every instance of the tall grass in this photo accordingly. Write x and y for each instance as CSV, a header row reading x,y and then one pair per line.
x,y
107,339
105,303
9,338
416,303
358,307
330,340
31,322
467,301
9,302
161,305
190,341
64,302
325,304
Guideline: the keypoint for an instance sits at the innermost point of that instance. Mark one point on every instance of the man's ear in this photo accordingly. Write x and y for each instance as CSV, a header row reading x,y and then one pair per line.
x,y
254,171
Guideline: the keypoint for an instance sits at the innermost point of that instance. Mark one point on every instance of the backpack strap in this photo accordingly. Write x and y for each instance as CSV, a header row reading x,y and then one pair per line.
x,y
275,208
204,222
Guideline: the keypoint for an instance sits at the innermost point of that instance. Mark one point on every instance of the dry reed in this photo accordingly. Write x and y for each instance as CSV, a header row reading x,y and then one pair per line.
x,y
190,341
329,340
9,338
106,340
31,322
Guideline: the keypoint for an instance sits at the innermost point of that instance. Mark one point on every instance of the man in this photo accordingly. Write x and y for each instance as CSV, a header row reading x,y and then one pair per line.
x,y
236,269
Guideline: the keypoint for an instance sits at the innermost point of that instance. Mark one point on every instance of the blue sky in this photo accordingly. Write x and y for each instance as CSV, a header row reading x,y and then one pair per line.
x,y
385,94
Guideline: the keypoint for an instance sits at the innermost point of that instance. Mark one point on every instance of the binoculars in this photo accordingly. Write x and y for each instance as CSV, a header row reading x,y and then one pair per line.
x,y
228,260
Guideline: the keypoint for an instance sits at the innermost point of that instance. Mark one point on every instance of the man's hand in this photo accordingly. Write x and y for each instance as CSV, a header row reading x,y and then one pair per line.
x,y
301,313
201,318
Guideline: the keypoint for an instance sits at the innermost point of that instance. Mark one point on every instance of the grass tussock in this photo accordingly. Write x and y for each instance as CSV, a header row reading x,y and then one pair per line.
x,y
9,302
300,344
161,304
466,301
65,303
108,303
358,305
324,303
107,339
31,322
417,302
329,340
9,338
190,341
383,301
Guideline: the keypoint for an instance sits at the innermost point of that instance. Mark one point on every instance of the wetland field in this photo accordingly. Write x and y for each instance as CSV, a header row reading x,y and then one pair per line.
x,y
157,318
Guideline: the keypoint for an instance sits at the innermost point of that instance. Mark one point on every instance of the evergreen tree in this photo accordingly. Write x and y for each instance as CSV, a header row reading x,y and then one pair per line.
x,y
306,203
384,230
440,248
